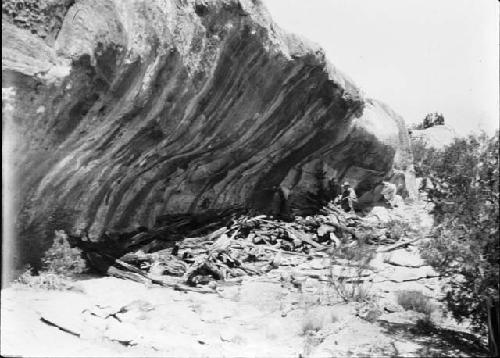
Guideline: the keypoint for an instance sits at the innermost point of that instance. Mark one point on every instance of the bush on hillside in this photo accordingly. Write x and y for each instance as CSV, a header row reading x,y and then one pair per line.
x,y
464,191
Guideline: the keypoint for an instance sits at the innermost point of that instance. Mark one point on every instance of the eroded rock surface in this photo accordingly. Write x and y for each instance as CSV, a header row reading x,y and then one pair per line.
x,y
141,108
437,137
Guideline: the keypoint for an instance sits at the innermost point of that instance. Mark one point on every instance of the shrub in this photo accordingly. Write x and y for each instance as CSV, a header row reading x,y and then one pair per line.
x,y
415,301
315,320
352,292
357,253
369,312
61,258
425,325
398,229
358,257
44,280
431,120
466,248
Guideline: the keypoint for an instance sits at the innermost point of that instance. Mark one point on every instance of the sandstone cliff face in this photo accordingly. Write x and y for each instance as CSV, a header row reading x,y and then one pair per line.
x,y
141,108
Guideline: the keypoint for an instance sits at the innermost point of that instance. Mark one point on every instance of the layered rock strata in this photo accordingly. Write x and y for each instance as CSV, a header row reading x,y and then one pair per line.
x,y
141,108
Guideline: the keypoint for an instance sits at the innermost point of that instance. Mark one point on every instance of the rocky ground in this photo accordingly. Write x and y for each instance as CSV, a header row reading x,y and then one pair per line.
x,y
295,309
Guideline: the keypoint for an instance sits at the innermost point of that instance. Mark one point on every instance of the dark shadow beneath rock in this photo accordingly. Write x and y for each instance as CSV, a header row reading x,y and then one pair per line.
x,y
437,342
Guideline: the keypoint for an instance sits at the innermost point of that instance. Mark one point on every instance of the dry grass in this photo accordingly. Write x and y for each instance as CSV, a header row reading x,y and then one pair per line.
x,y
415,301
316,319
353,292
398,229
44,280
354,288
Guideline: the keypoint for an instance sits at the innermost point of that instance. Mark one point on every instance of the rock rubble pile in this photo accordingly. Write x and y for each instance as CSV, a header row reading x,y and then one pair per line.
x,y
193,253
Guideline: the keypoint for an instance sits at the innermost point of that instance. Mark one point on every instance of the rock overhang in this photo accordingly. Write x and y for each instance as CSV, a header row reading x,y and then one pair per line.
x,y
176,106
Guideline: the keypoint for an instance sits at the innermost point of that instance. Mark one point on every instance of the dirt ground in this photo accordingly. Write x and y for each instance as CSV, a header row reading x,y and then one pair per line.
x,y
259,317
292,311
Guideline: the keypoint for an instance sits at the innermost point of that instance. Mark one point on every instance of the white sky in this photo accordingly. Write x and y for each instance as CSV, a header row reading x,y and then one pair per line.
x,y
418,56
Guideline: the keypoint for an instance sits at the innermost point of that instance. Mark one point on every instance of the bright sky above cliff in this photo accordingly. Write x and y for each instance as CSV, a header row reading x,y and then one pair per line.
x,y
418,56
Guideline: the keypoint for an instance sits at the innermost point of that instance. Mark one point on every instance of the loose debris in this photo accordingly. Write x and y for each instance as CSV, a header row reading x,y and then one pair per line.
x,y
187,252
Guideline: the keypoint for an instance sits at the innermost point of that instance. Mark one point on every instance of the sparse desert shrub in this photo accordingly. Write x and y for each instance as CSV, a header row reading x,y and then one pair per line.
x,y
59,264
311,324
352,292
398,229
369,312
44,280
424,325
357,253
61,258
349,284
415,301
386,257
315,320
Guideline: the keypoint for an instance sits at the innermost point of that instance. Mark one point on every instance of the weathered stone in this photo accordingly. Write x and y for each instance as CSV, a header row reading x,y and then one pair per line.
x,y
153,107
405,258
436,137
65,317
324,229
122,332
402,317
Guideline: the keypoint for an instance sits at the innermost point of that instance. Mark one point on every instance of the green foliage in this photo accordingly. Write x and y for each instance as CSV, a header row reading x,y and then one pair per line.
x,y
63,259
463,186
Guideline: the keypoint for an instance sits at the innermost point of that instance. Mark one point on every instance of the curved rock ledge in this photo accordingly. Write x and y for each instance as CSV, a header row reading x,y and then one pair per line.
x,y
142,108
